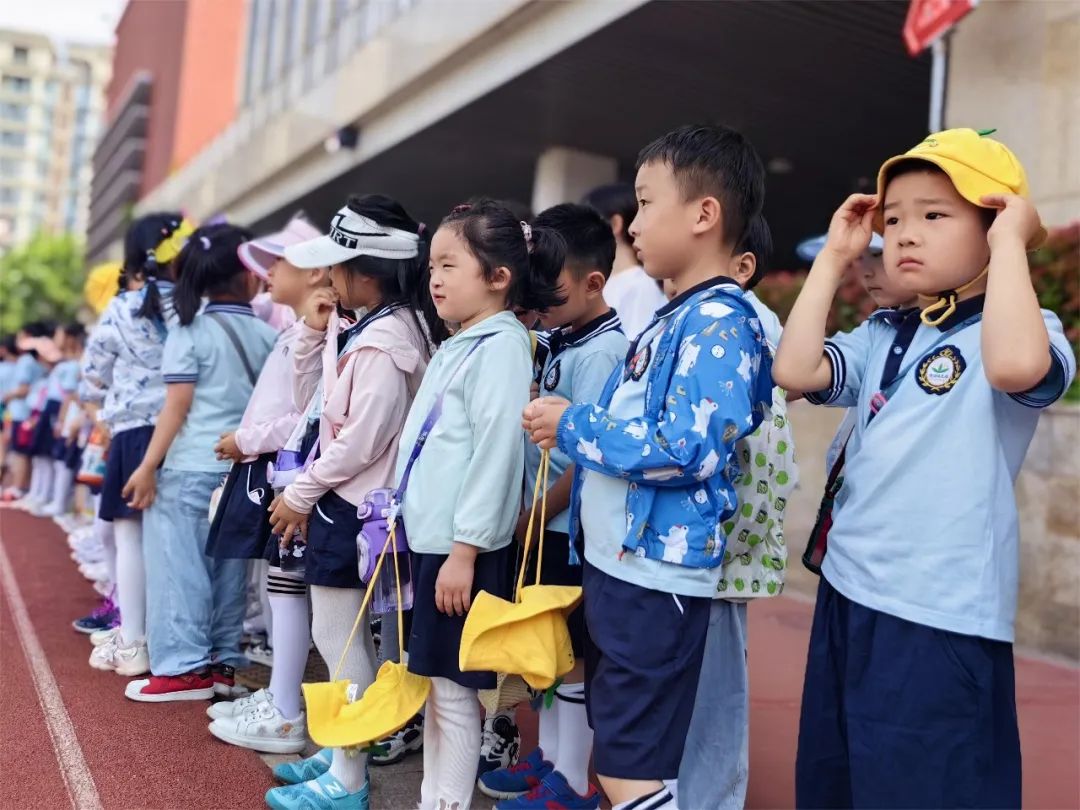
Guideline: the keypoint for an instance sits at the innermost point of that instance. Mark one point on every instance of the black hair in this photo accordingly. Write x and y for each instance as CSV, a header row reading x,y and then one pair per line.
x,y
590,243
208,265
75,331
143,237
497,239
757,240
39,329
11,346
916,165
616,198
401,281
711,160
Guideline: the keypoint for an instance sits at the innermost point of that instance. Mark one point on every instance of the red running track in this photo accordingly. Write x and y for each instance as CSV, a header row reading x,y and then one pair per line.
x,y
157,756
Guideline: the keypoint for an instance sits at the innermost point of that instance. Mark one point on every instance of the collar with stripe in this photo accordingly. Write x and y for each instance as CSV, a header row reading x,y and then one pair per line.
x,y
230,308
682,298
561,338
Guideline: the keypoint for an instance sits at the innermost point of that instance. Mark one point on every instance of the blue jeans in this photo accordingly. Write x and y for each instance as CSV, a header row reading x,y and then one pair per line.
x,y
716,760
194,603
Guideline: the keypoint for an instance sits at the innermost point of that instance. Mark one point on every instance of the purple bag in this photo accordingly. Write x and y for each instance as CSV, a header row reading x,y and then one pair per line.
x,y
376,512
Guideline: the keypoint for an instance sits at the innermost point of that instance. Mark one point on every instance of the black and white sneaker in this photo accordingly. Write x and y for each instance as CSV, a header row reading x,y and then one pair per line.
x,y
500,743
400,744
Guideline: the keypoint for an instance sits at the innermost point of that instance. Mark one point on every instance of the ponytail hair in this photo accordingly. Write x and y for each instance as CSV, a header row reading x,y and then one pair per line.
x,y
401,281
497,238
208,265
142,239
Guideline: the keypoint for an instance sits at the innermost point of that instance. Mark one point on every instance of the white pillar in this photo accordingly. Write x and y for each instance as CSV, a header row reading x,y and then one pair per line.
x,y
566,175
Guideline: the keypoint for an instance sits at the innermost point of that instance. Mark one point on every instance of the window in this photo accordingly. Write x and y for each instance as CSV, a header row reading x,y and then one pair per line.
x,y
21,56
9,138
9,195
15,84
10,168
271,46
16,113
253,35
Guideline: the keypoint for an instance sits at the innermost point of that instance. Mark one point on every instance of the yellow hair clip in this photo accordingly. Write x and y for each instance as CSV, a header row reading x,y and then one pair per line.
x,y
171,246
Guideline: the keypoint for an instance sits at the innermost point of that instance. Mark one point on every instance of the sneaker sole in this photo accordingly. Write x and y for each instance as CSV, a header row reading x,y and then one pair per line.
x,y
501,795
86,631
132,673
171,697
261,744
102,667
400,755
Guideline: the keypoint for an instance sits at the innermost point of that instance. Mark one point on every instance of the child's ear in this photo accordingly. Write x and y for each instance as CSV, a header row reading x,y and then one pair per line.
x,y
743,266
594,283
500,279
709,215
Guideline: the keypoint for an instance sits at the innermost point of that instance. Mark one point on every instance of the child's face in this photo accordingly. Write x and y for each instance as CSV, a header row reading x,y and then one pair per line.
x,y
664,226
288,285
935,240
869,268
579,294
458,287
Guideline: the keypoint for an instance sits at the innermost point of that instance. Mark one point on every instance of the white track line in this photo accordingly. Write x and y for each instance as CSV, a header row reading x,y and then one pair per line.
x,y
69,756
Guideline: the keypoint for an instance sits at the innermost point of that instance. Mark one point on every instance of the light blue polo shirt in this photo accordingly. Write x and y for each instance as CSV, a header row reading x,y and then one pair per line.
x,y
576,367
202,353
28,371
925,526
63,380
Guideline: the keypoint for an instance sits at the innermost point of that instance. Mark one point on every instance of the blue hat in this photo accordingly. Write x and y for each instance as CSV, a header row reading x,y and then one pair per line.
x,y
810,248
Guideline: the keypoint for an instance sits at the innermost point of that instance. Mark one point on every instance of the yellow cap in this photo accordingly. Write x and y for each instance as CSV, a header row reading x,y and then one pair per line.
x,y
527,638
976,164
385,707
102,285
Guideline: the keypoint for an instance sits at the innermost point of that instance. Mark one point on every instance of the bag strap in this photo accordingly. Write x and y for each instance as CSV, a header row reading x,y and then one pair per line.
x,y
540,491
221,321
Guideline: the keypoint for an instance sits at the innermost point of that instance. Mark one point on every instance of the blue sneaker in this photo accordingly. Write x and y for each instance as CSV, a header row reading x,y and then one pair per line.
x,y
324,793
553,793
509,783
105,616
304,770
499,745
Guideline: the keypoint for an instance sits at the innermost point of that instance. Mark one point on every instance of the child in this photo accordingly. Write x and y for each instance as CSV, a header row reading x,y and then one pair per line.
x,y
121,377
655,459
369,374
44,399
629,290
65,451
241,529
715,766
584,346
195,604
910,667
28,371
484,264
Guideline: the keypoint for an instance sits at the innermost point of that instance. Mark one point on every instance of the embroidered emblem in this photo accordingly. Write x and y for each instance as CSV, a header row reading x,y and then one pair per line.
x,y
639,364
939,372
551,380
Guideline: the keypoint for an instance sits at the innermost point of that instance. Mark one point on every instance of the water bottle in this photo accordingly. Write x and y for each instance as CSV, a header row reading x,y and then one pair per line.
x,y
376,512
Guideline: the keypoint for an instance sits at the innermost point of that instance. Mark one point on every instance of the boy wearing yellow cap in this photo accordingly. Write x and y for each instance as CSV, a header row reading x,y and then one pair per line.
x,y
909,695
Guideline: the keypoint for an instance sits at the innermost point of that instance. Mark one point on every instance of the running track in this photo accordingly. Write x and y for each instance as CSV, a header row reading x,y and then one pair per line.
x,y
71,739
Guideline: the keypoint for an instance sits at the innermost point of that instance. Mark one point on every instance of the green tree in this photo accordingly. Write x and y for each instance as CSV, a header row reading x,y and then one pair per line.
x,y
41,280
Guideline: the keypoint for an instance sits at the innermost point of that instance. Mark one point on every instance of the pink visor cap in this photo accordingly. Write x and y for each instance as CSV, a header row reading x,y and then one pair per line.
x,y
259,255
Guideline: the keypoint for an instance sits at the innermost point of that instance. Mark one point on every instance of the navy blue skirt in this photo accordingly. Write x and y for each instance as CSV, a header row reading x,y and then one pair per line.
x,y
42,442
241,524
435,638
126,452
68,452
330,558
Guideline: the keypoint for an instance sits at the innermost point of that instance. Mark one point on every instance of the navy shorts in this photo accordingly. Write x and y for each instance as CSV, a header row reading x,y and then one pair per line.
x,y
642,660
241,524
42,442
330,558
434,639
17,444
126,452
68,452
898,714
557,570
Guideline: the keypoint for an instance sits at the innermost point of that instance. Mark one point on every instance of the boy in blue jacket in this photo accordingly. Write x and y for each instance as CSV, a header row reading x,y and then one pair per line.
x,y
655,465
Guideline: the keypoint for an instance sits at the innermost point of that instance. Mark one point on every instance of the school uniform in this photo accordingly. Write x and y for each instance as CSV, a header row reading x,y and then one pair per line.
x,y
478,439
28,371
910,667
195,604
575,366
121,374
654,480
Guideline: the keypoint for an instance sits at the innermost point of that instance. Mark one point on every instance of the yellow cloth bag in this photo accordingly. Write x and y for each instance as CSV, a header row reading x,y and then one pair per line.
x,y
529,636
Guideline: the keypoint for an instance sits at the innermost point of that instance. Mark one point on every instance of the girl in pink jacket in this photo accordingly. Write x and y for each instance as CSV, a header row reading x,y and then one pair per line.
x,y
359,382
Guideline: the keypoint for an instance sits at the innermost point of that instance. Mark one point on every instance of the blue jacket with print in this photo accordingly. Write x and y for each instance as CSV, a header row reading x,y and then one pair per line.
x,y
709,385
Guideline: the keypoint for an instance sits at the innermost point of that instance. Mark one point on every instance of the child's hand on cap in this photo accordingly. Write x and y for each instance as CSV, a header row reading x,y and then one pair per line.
x,y
1016,219
541,420
851,228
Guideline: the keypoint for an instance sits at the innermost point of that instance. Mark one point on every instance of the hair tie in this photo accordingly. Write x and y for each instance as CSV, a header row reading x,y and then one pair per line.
x,y
205,242
526,231
421,229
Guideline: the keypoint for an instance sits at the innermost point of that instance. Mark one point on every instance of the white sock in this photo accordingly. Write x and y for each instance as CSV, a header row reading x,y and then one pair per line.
x,y
575,737
41,474
453,716
104,531
262,567
333,611
661,800
130,580
63,478
292,638
548,723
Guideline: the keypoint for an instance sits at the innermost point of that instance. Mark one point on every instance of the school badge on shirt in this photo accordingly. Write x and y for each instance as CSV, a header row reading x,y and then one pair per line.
x,y
639,364
551,381
940,370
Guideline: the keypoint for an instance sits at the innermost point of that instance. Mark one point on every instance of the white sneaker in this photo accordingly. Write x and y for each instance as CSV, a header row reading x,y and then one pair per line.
x,y
263,728
103,657
260,653
99,637
235,708
132,661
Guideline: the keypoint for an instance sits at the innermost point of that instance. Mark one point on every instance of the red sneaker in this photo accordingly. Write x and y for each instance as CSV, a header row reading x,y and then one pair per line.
x,y
166,688
224,678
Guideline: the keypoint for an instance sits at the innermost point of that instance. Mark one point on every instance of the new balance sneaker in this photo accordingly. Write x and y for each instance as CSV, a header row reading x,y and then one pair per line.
x,y
225,685
104,617
304,770
264,728
235,708
517,780
99,637
499,745
553,793
323,793
260,653
400,744
167,688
